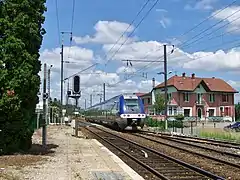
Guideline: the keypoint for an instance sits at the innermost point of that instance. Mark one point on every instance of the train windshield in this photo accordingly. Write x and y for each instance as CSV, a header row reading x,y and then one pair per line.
x,y
132,105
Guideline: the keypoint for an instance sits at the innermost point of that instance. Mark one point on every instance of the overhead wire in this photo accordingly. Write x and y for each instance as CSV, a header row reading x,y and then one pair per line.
x,y
218,45
132,31
71,29
58,23
214,31
130,25
206,19
205,30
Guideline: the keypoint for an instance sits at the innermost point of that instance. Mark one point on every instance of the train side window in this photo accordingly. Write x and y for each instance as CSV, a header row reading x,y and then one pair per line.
x,y
117,106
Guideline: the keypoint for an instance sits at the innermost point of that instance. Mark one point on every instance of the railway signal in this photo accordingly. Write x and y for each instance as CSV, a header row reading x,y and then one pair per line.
x,y
76,84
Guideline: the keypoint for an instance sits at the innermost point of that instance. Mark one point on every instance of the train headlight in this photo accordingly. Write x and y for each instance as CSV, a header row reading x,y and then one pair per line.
x,y
128,115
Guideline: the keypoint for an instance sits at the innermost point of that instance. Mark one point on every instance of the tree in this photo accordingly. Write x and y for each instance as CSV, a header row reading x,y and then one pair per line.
x,y
237,112
21,35
159,103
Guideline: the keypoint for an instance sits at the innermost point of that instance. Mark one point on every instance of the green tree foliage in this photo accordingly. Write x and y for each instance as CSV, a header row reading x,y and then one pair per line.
x,y
237,112
21,35
159,103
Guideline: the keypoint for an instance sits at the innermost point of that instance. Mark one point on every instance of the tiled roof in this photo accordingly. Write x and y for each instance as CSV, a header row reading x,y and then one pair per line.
x,y
143,94
190,84
139,94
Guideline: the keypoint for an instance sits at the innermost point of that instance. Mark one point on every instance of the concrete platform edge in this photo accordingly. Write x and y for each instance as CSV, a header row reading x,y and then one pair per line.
x,y
133,174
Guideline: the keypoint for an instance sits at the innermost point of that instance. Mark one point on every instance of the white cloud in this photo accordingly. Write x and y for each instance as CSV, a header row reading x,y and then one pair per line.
x,y
107,32
210,61
230,15
147,50
201,5
126,70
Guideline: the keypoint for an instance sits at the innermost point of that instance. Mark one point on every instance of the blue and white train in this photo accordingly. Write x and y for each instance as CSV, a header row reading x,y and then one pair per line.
x,y
118,112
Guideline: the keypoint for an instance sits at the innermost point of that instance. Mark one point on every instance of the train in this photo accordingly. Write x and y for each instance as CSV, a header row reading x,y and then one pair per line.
x,y
118,112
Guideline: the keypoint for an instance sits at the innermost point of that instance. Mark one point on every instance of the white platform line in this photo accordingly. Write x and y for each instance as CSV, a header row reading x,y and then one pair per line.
x,y
133,174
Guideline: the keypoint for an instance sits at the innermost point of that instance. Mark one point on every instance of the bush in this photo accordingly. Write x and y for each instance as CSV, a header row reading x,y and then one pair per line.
x,y
21,38
161,124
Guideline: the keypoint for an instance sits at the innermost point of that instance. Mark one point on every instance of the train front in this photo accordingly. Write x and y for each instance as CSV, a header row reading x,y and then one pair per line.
x,y
132,110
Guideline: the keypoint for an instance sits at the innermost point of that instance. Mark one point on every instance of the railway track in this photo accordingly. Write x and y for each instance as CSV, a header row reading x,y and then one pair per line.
x,y
230,151
228,144
221,159
156,164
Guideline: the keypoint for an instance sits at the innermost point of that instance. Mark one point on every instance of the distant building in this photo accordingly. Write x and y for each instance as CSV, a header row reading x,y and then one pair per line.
x,y
194,96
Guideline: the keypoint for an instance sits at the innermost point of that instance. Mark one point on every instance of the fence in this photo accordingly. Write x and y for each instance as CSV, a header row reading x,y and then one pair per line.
x,y
195,118
190,125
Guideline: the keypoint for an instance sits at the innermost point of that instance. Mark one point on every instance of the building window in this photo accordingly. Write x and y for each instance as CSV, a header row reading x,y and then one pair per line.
x,y
224,98
149,100
211,112
186,112
199,98
172,111
186,97
211,97
226,111
221,111
169,96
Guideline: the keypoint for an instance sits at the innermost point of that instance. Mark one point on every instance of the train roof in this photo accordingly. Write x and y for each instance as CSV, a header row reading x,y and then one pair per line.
x,y
125,96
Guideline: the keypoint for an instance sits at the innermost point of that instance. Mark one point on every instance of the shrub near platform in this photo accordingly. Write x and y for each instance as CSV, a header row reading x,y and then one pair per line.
x,y
21,38
161,124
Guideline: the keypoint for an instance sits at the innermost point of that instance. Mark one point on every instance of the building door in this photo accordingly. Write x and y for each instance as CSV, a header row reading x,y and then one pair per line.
x,y
186,112
211,112
199,113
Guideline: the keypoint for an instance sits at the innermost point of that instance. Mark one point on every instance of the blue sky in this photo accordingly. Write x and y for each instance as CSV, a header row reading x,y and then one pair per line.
x,y
98,24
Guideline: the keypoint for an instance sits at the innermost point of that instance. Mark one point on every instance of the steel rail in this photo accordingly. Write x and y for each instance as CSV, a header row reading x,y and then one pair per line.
x,y
197,138
182,163
195,145
192,152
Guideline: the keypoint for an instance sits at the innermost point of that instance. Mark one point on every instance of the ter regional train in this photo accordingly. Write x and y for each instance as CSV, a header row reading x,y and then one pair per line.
x,y
118,112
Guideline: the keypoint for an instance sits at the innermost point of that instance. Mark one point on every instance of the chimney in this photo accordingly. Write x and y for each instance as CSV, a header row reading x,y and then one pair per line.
x,y
183,74
153,82
193,75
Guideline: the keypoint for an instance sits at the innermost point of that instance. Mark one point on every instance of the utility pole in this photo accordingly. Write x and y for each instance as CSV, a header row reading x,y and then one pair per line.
x,y
85,104
67,92
44,131
90,100
61,81
104,92
165,86
49,89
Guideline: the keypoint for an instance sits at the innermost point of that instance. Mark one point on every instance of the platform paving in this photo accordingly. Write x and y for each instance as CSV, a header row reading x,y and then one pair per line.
x,y
72,159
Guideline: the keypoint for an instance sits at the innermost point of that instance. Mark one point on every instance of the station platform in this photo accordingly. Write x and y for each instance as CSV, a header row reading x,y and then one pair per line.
x,y
103,164
75,158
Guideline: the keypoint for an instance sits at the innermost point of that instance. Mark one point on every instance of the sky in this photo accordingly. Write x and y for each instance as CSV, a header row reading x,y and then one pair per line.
x,y
202,37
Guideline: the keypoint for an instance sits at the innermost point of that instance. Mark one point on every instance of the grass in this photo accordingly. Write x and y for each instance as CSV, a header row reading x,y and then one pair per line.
x,y
220,134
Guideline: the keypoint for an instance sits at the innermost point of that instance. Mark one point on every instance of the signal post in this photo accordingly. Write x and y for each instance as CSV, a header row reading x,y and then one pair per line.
x,y
75,94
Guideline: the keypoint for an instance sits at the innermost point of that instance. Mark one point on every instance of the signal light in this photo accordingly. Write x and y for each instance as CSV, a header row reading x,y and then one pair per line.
x,y
76,84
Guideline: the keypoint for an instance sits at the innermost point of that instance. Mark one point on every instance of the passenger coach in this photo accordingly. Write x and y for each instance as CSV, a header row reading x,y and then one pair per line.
x,y
119,112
